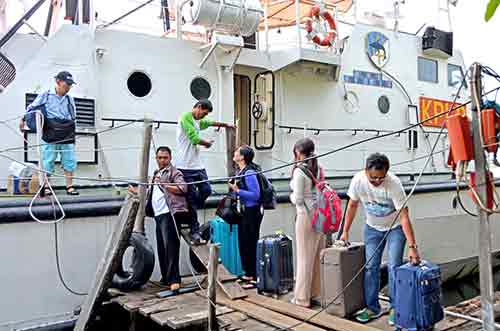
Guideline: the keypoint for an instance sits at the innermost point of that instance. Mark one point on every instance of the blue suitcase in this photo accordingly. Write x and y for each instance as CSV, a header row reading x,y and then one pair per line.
x,y
275,264
227,235
418,296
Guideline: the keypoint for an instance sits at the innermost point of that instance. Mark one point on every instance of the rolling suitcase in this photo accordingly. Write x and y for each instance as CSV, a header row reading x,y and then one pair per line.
x,y
227,235
417,299
275,264
339,265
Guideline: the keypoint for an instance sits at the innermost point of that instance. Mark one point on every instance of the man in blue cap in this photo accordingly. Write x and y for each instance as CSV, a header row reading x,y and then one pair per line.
x,y
59,115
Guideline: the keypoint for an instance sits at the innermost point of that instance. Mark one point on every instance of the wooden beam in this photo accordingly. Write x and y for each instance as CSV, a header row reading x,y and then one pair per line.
x,y
143,175
212,287
268,316
115,247
323,319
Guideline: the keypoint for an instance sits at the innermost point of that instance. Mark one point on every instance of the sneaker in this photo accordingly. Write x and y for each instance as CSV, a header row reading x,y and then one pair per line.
x,y
392,317
197,240
366,315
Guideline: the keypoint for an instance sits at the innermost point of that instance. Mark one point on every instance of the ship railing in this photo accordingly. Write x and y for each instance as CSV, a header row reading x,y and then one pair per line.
x,y
114,120
354,131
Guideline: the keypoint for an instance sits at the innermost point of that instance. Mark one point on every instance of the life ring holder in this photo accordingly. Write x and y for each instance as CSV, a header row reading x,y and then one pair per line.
x,y
316,14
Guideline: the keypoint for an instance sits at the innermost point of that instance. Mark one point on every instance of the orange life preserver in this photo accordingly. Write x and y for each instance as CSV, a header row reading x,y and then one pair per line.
x,y
315,13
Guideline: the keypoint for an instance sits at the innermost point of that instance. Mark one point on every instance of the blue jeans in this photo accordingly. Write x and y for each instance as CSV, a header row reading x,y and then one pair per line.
x,y
396,244
197,193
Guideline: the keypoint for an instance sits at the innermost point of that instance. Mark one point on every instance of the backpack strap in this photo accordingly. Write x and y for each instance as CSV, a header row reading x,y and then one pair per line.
x,y
309,174
71,109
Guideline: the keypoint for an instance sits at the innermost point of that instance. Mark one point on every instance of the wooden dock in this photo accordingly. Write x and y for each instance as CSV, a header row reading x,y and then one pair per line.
x,y
189,312
147,311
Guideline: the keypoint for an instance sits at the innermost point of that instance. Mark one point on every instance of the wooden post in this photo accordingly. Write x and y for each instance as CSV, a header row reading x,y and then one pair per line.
x,y
213,262
485,262
107,267
143,176
231,147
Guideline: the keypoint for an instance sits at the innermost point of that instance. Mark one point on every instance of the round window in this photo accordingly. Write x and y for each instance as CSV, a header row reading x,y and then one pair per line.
x,y
139,84
384,104
200,88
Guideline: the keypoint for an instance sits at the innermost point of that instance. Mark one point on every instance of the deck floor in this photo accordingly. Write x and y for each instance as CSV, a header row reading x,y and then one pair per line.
x,y
256,312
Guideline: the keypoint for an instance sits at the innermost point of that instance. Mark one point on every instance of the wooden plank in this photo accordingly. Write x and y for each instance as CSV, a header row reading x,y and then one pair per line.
x,y
225,280
167,304
323,319
236,321
134,306
182,316
266,315
115,247
182,290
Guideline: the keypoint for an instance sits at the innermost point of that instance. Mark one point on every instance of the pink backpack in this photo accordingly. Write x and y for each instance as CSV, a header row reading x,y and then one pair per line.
x,y
327,213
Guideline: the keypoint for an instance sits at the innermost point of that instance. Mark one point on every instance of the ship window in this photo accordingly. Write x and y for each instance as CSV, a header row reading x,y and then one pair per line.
x,y
383,104
263,111
455,75
200,88
427,70
139,84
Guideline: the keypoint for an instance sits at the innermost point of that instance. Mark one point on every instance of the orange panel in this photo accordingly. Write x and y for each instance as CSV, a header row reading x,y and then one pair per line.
x,y
431,108
488,126
460,137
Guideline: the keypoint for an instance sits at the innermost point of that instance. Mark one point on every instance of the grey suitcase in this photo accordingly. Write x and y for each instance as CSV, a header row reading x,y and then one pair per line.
x,y
339,264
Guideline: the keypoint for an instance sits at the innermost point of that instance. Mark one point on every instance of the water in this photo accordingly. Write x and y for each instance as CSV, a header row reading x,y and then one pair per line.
x,y
465,289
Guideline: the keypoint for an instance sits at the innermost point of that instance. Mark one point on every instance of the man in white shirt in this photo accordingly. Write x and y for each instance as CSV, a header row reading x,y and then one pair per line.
x,y
382,196
163,200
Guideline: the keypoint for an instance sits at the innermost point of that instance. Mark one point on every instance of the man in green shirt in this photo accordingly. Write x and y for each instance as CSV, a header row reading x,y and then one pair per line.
x,y
188,157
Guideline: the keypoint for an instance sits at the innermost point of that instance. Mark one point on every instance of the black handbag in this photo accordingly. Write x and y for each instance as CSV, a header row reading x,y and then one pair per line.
x,y
228,210
58,131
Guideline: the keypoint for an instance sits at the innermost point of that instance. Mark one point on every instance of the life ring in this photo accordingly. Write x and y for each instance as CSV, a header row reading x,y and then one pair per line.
x,y
326,40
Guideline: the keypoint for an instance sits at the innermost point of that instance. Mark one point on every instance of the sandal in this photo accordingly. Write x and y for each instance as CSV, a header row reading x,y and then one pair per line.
x,y
45,192
249,285
294,301
70,190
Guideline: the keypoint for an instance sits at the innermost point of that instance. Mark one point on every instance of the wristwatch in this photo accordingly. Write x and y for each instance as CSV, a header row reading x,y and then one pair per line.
x,y
413,246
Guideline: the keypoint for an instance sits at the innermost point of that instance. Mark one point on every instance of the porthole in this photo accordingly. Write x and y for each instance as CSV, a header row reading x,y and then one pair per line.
x,y
139,84
384,104
200,88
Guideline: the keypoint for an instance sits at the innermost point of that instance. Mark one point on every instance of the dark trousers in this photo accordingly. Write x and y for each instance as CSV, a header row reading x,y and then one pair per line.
x,y
248,235
168,244
197,193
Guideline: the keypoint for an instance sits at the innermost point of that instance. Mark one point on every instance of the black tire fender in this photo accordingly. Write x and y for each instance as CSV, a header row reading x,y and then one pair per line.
x,y
141,268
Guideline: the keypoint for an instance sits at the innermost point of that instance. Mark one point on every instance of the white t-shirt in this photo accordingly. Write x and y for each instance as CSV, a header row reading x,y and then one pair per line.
x,y
380,202
158,201
188,138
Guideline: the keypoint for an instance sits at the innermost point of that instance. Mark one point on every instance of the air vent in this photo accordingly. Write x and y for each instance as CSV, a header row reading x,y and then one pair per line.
x,y
85,110
7,72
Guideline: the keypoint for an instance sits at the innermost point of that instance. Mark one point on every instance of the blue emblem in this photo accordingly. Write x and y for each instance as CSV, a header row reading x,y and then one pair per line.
x,y
377,48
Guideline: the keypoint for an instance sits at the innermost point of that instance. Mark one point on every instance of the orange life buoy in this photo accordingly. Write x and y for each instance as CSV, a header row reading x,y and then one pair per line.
x,y
314,35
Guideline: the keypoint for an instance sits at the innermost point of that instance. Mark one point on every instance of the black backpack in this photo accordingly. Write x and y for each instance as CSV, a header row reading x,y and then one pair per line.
x,y
267,191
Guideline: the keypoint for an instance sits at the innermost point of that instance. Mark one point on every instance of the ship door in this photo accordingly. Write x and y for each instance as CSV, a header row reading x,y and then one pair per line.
x,y
263,111
242,103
